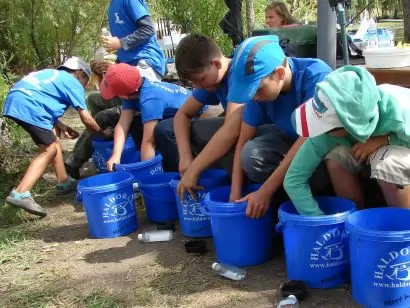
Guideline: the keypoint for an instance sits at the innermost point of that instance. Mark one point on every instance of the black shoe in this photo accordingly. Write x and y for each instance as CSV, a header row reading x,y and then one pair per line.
x,y
73,172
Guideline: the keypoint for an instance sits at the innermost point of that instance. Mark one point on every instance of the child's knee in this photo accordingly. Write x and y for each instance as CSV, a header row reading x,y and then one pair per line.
x,y
51,149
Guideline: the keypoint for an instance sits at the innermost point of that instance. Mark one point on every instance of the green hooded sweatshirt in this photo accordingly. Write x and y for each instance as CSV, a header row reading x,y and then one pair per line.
x,y
365,110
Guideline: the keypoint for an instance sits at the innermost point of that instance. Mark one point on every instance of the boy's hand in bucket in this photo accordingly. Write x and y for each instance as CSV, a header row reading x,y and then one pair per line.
x,y
114,160
188,183
258,203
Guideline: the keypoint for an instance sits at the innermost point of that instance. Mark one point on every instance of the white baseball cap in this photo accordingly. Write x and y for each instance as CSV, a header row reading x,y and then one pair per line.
x,y
76,63
315,117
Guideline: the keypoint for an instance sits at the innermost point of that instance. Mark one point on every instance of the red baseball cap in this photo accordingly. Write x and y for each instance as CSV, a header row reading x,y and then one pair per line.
x,y
120,80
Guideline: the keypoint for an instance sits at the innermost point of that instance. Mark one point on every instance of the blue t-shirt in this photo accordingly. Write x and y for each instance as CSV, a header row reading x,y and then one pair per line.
x,y
158,100
40,98
220,96
306,73
122,17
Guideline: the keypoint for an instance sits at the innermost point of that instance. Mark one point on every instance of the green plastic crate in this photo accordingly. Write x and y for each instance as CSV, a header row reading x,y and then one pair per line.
x,y
304,37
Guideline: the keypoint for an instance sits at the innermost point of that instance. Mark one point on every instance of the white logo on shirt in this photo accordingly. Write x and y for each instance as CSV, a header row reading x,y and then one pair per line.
x,y
118,20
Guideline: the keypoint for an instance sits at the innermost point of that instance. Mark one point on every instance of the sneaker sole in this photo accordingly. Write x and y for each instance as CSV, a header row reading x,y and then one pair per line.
x,y
12,202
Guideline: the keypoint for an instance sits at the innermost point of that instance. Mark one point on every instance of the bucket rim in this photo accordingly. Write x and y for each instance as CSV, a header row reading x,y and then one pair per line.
x,y
140,164
128,179
315,220
220,206
100,140
376,235
174,181
142,184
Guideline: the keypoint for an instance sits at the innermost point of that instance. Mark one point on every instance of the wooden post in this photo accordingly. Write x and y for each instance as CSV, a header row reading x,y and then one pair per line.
x,y
406,17
250,16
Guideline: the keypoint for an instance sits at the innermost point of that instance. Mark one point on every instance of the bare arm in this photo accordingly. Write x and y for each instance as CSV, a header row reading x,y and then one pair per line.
x,y
90,123
120,134
182,127
247,133
222,141
148,140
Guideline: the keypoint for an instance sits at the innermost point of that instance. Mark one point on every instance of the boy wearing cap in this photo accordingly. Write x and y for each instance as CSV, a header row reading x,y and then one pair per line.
x,y
277,85
145,103
358,127
35,103
199,60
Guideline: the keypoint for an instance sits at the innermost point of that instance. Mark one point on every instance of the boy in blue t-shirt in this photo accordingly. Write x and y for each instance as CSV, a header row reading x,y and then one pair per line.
x,y
199,60
133,37
277,85
145,103
36,103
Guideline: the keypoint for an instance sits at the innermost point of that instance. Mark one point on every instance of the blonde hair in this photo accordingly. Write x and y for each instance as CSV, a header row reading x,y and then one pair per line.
x,y
282,10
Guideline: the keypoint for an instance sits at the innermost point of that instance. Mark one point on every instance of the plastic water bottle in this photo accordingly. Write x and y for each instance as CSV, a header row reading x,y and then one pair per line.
x,y
229,271
156,236
105,32
99,54
289,302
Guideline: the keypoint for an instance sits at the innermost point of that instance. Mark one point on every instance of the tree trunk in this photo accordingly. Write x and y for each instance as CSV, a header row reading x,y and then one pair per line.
x,y
406,17
250,16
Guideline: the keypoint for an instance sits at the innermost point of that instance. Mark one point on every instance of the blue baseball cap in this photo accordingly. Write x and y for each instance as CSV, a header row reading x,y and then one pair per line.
x,y
254,59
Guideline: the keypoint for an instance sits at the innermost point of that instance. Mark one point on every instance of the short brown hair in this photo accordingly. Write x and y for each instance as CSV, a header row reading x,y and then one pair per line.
x,y
282,10
194,54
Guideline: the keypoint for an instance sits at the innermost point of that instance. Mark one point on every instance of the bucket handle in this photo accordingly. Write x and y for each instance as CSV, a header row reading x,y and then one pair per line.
x,y
204,210
279,227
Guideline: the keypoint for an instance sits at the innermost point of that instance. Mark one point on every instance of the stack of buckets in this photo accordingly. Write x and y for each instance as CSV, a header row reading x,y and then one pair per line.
x,y
108,198
103,150
369,247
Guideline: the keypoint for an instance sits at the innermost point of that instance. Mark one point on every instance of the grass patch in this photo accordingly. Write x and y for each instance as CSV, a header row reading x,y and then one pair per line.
x,y
17,250
99,299
58,296
143,296
36,288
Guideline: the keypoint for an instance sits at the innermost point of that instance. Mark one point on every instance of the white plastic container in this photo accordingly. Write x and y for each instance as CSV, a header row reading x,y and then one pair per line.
x,y
387,57
229,271
155,236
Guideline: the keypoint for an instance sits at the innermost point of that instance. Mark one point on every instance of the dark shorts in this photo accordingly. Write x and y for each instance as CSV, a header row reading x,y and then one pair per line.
x,y
40,136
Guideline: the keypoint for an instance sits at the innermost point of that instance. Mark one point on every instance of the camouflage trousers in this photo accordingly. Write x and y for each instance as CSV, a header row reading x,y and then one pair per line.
x,y
106,113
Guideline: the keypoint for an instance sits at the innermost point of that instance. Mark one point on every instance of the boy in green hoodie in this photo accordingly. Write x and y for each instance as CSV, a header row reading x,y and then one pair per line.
x,y
357,127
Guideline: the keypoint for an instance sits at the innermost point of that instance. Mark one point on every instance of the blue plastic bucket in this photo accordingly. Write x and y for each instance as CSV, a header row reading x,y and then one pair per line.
x,y
238,240
159,198
109,205
379,243
142,169
192,221
103,151
316,247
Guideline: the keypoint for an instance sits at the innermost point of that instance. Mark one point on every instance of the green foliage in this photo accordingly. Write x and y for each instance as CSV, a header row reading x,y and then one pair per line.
x,y
41,33
7,79
201,16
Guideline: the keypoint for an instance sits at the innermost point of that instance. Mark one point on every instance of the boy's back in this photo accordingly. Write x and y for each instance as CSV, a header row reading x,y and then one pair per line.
x,y
46,95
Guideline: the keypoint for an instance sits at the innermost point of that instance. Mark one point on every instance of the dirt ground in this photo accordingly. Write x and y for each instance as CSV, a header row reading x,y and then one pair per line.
x,y
53,262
